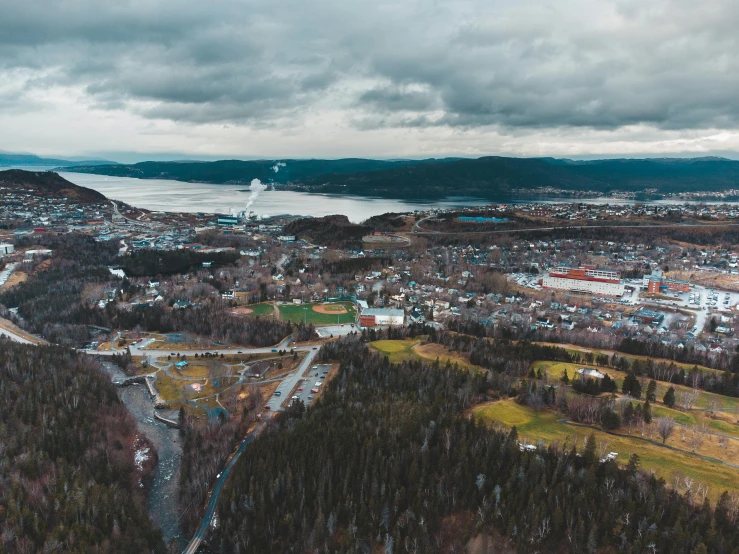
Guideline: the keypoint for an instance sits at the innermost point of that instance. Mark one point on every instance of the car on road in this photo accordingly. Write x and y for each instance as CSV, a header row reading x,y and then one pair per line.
x,y
300,388
266,407
314,391
274,350
315,348
239,352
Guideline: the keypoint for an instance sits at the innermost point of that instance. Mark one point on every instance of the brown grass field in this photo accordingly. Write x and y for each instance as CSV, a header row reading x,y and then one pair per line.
x,y
15,278
242,311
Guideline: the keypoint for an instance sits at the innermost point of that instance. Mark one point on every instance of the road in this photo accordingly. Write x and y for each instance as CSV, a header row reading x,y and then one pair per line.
x,y
5,273
289,383
14,337
275,405
137,350
9,330
210,510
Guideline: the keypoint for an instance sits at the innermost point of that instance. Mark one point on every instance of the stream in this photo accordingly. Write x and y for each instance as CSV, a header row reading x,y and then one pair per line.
x,y
162,499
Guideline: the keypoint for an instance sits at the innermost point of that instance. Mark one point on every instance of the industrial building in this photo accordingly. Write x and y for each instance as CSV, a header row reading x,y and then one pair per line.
x,y
6,249
584,279
227,221
375,317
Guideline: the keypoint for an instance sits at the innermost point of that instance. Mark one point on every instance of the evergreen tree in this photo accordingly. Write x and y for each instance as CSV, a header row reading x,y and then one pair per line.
x,y
652,391
669,398
647,412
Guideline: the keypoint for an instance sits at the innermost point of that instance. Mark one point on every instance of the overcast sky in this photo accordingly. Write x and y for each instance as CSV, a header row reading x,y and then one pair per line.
x,y
332,78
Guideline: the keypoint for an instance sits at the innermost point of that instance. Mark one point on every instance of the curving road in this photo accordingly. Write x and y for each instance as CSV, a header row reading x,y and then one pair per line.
x,y
210,510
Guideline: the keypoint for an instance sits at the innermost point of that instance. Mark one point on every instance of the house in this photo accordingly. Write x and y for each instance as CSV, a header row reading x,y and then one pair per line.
x,y
648,317
586,373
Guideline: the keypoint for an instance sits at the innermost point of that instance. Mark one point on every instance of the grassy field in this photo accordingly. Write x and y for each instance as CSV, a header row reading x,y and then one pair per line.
x,y
261,309
726,422
396,350
572,349
555,369
297,313
545,426
401,350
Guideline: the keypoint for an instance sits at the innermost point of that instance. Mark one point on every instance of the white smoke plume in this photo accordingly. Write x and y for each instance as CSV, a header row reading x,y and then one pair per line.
x,y
256,188
277,166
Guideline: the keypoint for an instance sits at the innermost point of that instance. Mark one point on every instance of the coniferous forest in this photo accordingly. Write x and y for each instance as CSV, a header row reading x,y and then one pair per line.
x,y
388,461
70,480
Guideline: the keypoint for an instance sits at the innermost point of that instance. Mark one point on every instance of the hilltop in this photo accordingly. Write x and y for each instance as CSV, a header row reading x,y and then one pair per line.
x,y
48,185
14,159
493,177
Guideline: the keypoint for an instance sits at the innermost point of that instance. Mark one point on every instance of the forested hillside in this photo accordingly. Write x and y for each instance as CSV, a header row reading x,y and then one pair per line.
x,y
48,184
497,178
241,171
492,177
70,476
388,462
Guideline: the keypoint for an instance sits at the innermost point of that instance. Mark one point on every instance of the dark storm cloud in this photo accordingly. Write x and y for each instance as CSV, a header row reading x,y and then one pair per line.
x,y
669,64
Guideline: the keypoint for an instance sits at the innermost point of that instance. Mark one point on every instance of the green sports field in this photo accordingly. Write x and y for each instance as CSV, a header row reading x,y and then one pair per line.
x,y
311,313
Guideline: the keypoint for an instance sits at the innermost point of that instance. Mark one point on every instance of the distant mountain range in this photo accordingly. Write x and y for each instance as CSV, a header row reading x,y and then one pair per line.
x,y
49,185
241,172
493,178
8,159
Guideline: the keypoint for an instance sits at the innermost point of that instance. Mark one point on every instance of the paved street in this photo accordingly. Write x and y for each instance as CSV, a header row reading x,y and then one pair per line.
x,y
275,403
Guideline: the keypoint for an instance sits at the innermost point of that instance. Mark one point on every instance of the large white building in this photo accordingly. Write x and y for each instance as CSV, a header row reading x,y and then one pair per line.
x,y
6,249
585,279
372,317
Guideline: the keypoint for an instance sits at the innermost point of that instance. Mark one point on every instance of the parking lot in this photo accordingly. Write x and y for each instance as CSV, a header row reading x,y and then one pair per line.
x,y
335,330
702,301
316,374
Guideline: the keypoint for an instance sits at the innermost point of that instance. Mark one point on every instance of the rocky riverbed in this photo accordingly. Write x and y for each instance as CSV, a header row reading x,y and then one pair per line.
x,y
163,505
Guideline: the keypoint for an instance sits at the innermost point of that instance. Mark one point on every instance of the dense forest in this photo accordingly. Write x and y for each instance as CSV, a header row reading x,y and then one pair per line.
x,y
335,231
72,463
387,462
144,262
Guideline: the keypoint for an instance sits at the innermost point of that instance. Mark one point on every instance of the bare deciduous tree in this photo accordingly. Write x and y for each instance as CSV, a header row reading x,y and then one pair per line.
x,y
665,427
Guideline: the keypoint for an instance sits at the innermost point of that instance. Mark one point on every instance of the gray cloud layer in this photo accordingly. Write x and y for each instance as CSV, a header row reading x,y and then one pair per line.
x,y
669,64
